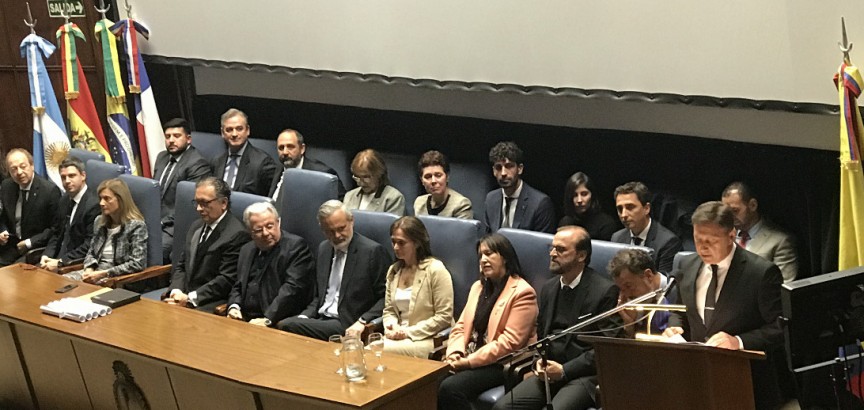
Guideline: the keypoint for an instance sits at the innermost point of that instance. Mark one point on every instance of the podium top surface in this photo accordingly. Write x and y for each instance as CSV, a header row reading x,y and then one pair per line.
x,y
693,347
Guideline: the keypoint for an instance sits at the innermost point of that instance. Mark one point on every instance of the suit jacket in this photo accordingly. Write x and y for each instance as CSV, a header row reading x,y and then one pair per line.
x,y
512,324
361,294
534,210
431,307
130,247
37,218
387,199
286,283
80,231
254,174
191,167
777,246
457,206
210,268
310,164
748,307
665,244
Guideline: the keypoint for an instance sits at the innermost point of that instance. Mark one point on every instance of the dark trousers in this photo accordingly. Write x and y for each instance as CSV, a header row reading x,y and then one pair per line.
x,y
531,394
167,244
316,328
458,390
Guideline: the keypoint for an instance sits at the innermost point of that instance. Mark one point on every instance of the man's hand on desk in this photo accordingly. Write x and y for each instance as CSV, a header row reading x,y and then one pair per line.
x,y
49,264
178,298
234,313
723,340
672,331
93,276
22,247
355,330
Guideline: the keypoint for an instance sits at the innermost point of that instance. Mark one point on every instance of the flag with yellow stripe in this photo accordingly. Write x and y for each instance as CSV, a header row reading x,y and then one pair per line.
x,y
848,80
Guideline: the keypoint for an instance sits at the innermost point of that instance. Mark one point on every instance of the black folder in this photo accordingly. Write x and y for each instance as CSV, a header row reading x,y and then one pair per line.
x,y
115,298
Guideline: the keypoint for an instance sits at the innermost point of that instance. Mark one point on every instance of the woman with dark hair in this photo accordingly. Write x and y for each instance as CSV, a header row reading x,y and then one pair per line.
x,y
440,199
499,318
119,244
418,302
373,192
581,208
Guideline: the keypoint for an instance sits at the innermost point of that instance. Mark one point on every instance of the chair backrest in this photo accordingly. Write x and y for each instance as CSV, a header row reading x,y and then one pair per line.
x,y
302,194
473,180
676,262
148,198
337,159
532,248
98,171
375,226
402,170
268,146
208,144
241,200
85,155
454,242
603,251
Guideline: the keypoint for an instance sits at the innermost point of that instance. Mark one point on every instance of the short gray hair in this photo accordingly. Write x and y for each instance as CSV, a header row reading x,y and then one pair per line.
x,y
327,209
231,113
258,208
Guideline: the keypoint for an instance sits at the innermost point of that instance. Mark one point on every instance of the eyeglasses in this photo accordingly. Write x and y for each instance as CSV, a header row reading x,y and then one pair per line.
x,y
361,178
239,128
260,231
203,204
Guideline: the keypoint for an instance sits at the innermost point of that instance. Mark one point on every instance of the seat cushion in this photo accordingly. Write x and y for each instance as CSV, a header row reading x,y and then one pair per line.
x,y
490,397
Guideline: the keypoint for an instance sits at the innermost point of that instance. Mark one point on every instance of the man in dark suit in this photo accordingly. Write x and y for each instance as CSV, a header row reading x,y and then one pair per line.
x,y
179,162
205,272
79,207
350,282
516,204
292,153
634,209
244,167
732,298
29,208
275,272
576,292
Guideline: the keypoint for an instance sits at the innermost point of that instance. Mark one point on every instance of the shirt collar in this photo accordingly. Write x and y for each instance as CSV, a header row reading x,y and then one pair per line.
x,y
216,222
753,229
723,266
30,185
300,164
77,198
343,247
516,193
644,234
240,151
573,283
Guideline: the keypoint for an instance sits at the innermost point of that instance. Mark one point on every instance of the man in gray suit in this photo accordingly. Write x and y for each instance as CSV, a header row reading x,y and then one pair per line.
x,y
632,200
757,234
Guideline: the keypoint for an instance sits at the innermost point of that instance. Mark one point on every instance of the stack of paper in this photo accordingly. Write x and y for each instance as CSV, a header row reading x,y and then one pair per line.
x,y
75,309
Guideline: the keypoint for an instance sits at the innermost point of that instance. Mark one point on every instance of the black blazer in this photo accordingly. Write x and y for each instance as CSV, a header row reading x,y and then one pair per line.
x,y
534,210
665,244
254,174
191,167
597,294
80,231
363,280
287,282
37,218
310,164
748,307
212,271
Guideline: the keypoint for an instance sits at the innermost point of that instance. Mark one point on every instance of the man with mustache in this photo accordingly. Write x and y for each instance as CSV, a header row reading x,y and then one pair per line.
x,y
516,204
292,152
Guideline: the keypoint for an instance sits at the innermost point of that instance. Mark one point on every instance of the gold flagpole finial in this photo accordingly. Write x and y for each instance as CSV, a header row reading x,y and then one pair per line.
x,y
30,22
845,46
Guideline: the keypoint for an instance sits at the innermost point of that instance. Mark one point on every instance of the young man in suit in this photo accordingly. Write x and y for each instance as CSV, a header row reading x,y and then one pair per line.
x,y
632,200
732,298
576,291
351,279
516,204
244,167
758,235
275,272
292,152
205,272
79,207
29,208
179,162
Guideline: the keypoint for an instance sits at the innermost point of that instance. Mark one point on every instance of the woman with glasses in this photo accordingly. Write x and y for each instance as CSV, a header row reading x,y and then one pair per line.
x,y
119,244
440,199
373,192
582,208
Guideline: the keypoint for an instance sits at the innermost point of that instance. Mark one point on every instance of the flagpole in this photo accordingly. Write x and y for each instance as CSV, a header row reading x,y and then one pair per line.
x,y
38,110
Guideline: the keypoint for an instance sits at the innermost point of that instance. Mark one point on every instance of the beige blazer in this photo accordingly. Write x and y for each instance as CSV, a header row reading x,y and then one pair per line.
x,y
431,307
775,245
458,206
390,200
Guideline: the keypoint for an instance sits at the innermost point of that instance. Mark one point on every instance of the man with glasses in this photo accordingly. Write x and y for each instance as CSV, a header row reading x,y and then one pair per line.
x,y
244,167
516,204
275,272
292,153
205,272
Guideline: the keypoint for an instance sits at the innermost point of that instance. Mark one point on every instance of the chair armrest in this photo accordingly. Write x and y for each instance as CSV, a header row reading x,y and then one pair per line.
x,y
33,256
516,369
373,326
221,310
440,339
437,354
151,272
71,268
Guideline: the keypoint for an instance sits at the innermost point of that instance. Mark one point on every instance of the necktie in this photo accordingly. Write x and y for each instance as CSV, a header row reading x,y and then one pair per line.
x,y
711,295
64,236
26,196
231,172
204,234
279,185
743,238
505,221
637,240
167,173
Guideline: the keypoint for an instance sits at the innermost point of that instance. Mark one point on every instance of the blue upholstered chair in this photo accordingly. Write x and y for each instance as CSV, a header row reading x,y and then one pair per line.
x,y
473,180
676,262
402,170
337,159
98,171
603,251
532,248
268,146
302,194
375,226
208,144
454,242
85,155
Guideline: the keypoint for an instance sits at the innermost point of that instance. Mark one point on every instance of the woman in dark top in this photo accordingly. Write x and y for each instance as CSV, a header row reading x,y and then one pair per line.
x,y
582,209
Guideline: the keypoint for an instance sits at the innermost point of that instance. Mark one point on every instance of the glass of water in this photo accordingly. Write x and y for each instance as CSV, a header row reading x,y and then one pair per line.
x,y
376,345
336,341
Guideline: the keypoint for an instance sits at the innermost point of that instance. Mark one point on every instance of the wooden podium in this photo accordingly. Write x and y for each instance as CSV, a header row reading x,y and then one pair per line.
x,y
655,375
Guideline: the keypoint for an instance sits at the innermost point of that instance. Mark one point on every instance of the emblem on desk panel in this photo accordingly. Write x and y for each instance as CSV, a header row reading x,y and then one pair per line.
x,y
127,394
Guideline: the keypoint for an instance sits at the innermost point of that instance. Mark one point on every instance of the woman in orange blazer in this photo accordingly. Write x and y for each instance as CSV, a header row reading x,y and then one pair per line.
x,y
500,317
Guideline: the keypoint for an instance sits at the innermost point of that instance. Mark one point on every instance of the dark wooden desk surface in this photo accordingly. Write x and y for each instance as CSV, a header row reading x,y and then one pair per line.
x,y
258,358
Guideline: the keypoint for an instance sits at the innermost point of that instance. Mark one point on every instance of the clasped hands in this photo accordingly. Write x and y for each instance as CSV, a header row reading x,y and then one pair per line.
x,y
93,276
722,340
394,332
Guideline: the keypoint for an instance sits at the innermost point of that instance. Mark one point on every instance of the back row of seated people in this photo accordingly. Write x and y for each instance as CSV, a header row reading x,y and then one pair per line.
x,y
275,280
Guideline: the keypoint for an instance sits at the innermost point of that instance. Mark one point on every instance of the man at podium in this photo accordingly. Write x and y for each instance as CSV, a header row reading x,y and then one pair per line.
x,y
732,298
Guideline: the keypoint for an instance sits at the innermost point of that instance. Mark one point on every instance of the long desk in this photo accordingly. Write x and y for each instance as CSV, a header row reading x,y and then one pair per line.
x,y
178,358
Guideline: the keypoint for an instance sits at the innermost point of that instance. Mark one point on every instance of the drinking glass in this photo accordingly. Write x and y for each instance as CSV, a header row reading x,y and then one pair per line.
x,y
376,345
337,347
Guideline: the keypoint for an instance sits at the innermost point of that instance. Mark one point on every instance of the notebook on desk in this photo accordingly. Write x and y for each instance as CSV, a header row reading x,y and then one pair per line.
x,y
115,298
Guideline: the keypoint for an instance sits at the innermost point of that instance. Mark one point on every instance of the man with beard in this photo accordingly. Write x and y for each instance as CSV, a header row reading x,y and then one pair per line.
x,y
577,292
516,204
292,153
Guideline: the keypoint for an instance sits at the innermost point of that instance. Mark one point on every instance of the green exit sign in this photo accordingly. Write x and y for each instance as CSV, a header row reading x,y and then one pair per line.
x,y
72,8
